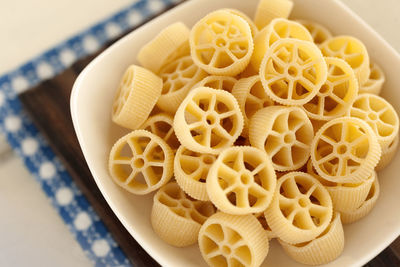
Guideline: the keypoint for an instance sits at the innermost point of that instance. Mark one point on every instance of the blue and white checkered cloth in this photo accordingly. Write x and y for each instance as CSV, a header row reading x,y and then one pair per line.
x,y
41,161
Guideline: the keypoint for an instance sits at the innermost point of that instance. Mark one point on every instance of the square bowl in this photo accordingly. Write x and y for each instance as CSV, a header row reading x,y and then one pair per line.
x,y
91,102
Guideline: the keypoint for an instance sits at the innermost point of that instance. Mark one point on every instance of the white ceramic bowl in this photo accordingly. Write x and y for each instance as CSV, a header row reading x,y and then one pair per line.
x,y
91,113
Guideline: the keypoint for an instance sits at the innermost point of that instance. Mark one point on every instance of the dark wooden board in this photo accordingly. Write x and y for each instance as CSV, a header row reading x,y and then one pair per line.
x,y
48,106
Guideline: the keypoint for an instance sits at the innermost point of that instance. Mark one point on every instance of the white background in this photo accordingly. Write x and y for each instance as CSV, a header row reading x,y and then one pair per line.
x,y
31,232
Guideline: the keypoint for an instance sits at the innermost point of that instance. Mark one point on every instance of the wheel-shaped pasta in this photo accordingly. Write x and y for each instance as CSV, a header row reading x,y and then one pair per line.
x,y
251,97
379,114
161,125
285,133
218,82
293,71
388,154
178,78
267,10
221,43
352,50
191,170
176,218
375,81
345,196
323,249
162,49
345,150
365,208
253,27
276,30
318,32
136,96
241,181
232,240
141,162
261,218
336,95
208,120
301,208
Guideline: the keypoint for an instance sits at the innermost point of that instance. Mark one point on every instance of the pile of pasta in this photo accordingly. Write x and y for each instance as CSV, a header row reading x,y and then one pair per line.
x,y
251,130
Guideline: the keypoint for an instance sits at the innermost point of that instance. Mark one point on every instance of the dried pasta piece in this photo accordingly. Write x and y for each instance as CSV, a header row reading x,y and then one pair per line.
x,y
345,150
318,32
336,95
379,114
221,43
191,170
388,154
276,30
253,27
293,71
323,249
261,218
248,71
317,124
241,181
208,120
136,96
352,50
161,125
267,10
141,162
160,50
218,82
178,78
365,208
285,133
375,81
345,196
176,218
251,97
301,208
232,240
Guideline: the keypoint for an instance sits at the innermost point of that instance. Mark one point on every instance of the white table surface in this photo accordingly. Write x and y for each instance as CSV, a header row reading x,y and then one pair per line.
x,y
31,232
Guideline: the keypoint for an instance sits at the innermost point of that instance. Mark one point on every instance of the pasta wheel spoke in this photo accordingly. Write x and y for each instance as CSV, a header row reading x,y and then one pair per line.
x,y
352,154
219,120
131,176
241,180
231,39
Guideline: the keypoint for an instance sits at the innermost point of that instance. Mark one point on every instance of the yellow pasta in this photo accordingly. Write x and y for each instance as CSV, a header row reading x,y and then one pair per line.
x,y
141,162
218,82
191,170
388,154
323,249
285,133
301,208
375,81
352,51
318,32
161,125
379,114
159,50
276,30
261,218
221,43
336,95
232,240
345,196
251,97
176,218
365,208
345,150
267,10
208,120
136,96
241,181
293,71
178,76
253,27
248,71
